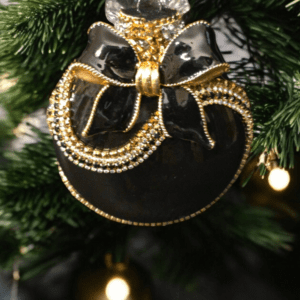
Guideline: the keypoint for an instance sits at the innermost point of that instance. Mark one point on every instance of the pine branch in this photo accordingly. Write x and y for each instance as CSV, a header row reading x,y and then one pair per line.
x,y
9,247
282,132
273,31
270,31
214,237
38,41
40,211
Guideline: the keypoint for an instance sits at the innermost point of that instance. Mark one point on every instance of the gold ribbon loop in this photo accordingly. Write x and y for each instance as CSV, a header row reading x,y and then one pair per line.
x,y
147,78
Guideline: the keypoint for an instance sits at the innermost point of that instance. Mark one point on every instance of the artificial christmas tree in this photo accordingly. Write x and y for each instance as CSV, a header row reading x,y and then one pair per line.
x,y
40,39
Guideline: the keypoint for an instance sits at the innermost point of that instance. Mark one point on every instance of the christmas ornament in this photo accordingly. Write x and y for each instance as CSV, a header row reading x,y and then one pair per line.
x,y
148,129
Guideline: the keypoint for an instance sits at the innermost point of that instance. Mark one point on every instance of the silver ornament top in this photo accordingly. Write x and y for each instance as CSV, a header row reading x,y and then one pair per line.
x,y
148,9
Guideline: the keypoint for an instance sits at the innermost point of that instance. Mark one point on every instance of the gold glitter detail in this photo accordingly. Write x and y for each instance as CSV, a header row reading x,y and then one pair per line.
x,y
161,119
148,36
136,112
202,115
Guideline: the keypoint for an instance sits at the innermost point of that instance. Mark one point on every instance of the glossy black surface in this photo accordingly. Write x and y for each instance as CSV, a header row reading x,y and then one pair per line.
x,y
192,51
81,108
110,54
114,110
182,117
179,179
84,96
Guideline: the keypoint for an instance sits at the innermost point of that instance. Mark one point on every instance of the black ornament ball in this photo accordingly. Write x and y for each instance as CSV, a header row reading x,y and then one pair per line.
x,y
149,130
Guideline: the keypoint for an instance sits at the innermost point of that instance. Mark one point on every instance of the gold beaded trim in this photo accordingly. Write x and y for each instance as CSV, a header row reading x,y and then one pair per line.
x,y
136,112
117,160
202,115
161,119
220,92
77,196
226,93
151,135
217,92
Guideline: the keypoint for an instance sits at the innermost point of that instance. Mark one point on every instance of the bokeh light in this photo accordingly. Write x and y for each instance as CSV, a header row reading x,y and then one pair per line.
x,y
279,179
117,289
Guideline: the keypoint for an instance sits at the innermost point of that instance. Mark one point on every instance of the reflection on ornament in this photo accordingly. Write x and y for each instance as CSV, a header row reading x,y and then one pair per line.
x,y
117,289
279,179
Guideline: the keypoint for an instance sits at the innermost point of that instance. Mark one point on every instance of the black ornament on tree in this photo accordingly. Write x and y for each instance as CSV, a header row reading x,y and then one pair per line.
x,y
154,94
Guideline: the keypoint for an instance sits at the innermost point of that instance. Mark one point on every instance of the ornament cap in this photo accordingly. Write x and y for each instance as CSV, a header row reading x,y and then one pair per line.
x,y
148,9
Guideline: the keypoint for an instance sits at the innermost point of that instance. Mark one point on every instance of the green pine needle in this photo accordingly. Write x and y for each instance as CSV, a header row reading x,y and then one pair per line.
x,y
38,39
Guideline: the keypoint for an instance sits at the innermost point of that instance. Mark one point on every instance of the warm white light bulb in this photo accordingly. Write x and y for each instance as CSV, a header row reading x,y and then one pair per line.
x,y
279,179
117,289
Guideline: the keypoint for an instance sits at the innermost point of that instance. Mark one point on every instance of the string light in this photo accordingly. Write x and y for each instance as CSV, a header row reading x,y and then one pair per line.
x,y
279,179
117,289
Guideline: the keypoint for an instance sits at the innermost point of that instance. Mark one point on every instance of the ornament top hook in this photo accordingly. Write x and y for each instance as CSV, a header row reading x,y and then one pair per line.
x,y
148,9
